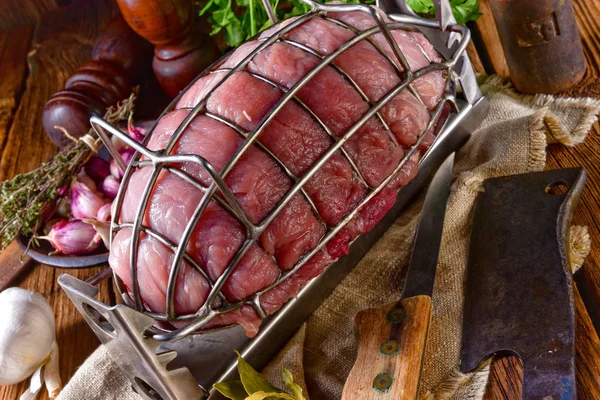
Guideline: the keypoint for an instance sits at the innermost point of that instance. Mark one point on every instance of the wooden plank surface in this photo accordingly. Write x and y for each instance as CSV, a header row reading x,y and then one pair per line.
x,y
46,56
37,60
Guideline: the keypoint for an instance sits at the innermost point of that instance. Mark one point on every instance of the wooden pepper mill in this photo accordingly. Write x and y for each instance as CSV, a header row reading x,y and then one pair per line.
x,y
181,51
119,61
541,44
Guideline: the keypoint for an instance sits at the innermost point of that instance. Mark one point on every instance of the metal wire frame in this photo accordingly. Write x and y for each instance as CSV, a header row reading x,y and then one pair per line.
x,y
216,303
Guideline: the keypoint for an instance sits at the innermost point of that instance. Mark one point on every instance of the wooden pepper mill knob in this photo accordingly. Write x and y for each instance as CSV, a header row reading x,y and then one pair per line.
x,y
119,59
181,51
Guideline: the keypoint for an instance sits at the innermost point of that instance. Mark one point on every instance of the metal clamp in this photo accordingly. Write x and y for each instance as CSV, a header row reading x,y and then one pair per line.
x,y
201,360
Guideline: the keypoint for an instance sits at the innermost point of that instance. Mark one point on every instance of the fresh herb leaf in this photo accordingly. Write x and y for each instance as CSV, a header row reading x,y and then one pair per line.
x,y
288,381
423,7
463,10
270,396
232,390
24,197
253,381
246,18
254,386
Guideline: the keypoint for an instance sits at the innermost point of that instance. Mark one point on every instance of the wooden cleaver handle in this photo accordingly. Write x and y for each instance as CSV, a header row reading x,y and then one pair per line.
x,y
12,263
391,349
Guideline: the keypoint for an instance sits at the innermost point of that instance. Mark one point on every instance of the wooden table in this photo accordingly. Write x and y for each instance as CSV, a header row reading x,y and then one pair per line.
x,y
36,60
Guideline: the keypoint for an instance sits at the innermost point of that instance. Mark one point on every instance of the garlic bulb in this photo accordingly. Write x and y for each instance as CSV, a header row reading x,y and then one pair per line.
x,y
27,340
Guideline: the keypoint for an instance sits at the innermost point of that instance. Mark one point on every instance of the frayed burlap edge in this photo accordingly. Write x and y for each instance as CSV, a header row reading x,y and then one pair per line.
x,y
477,381
554,128
544,128
537,141
580,245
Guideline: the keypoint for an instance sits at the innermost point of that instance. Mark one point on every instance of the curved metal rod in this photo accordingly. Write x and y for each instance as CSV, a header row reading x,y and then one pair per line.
x,y
216,302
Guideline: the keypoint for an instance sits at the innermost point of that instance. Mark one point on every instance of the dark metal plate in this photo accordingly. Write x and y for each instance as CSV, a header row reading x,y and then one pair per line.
x,y
519,296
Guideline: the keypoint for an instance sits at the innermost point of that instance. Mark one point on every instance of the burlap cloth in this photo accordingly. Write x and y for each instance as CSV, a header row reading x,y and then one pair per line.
x,y
511,140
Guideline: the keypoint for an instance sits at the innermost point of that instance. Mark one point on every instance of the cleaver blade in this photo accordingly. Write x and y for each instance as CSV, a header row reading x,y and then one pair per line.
x,y
519,293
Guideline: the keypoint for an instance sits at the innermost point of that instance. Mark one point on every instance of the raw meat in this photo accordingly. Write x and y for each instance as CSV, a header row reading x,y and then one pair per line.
x,y
416,48
287,147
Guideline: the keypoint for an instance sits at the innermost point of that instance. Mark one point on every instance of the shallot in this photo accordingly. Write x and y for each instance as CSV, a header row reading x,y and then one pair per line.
x,y
104,212
126,155
97,168
72,237
136,132
110,186
85,201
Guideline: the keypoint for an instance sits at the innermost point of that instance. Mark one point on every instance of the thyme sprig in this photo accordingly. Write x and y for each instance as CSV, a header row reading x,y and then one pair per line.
x,y
24,197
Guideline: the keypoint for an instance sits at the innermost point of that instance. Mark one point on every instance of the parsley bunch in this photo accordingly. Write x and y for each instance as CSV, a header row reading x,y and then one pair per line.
x,y
463,10
242,19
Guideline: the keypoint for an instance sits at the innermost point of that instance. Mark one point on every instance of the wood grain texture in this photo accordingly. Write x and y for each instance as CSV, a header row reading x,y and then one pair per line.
x,y
13,263
389,349
60,43
16,13
14,46
486,29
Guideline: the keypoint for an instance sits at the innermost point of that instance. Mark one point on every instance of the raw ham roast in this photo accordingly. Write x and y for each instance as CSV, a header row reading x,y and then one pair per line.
x,y
297,138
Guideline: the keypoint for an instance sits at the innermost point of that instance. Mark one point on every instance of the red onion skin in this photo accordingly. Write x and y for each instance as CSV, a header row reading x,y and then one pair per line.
x,y
137,133
73,237
105,212
97,169
85,202
126,154
110,186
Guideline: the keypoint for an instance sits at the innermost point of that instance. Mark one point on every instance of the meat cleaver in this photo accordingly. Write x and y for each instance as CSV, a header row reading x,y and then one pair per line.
x,y
519,294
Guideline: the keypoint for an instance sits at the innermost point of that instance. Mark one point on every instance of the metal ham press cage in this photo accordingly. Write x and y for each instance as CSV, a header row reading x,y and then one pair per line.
x,y
183,363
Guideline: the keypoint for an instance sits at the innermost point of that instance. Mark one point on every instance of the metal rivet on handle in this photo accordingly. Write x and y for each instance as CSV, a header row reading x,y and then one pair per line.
x,y
389,347
396,315
383,382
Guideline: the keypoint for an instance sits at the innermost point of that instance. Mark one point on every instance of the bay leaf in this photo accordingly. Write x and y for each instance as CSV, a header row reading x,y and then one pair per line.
x,y
252,380
271,396
232,390
288,380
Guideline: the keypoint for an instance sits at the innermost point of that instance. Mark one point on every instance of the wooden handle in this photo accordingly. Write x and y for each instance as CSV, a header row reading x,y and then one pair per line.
x,y
181,52
390,353
12,264
119,59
